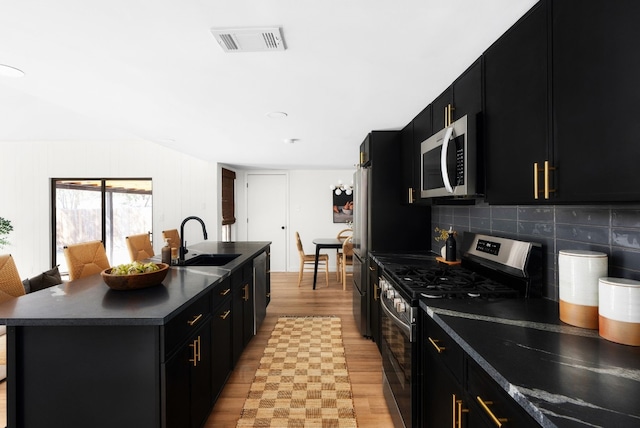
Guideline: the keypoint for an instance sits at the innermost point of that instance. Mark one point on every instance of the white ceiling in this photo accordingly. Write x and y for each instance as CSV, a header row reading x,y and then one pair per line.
x,y
150,69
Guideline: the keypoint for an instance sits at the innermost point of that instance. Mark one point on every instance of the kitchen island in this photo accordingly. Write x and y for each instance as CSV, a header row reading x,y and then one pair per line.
x,y
559,375
83,355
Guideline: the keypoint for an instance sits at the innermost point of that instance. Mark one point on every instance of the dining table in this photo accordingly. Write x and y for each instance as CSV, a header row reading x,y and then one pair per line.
x,y
323,243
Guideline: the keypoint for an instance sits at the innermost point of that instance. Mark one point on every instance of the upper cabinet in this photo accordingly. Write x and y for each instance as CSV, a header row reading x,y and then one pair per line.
x,y
596,100
516,110
561,105
463,97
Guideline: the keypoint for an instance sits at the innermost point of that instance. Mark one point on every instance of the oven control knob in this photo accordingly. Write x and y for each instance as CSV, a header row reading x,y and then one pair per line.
x,y
391,293
400,305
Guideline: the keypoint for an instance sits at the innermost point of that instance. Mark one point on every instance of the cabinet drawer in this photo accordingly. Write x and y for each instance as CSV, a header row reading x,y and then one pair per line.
x,y
220,293
491,403
443,348
186,322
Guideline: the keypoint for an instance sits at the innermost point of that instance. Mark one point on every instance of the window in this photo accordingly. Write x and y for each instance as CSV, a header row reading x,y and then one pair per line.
x,y
105,209
228,202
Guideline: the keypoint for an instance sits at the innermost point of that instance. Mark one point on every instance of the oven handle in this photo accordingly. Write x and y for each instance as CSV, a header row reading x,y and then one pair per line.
x,y
397,321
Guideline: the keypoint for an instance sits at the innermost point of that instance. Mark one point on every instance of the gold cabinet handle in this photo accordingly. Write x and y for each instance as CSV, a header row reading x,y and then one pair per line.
x,y
194,320
225,315
457,411
225,292
434,342
535,180
196,352
375,291
485,406
245,294
545,170
411,197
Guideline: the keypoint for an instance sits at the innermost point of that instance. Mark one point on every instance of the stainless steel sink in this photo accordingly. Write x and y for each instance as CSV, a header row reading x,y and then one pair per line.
x,y
210,259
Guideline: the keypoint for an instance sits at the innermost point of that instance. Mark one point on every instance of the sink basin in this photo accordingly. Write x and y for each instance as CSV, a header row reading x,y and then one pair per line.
x,y
210,259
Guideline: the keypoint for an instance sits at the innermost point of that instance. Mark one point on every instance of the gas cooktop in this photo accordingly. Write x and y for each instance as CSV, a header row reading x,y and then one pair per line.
x,y
491,267
436,280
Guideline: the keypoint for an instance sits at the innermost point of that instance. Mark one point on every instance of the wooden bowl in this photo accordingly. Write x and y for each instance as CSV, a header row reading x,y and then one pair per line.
x,y
135,281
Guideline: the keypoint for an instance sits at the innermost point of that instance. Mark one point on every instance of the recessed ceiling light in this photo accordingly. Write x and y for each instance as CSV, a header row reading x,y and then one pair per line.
x,y
8,71
277,114
290,140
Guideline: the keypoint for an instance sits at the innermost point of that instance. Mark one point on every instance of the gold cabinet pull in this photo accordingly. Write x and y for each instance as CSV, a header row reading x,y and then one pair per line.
x,y
535,180
245,292
196,352
547,168
194,320
434,342
411,197
536,170
375,291
485,406
225,292
457,411
225,315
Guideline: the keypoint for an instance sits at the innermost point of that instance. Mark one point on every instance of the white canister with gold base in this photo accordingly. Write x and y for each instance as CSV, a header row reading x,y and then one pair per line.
x,y
579,271
619,310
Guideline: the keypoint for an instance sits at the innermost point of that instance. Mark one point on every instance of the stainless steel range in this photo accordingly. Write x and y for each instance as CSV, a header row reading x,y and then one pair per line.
x,y
491,268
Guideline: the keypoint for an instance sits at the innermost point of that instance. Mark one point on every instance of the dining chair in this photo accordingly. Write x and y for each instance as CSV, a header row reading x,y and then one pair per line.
x,y
307,261
347,259
173,236
342,236
86,258
140,247
10,283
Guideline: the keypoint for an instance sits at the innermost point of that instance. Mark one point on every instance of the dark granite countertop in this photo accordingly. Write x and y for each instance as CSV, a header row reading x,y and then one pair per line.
x,y
563,376
89,301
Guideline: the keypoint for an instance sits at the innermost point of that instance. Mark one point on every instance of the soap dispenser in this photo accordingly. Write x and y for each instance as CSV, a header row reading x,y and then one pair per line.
x,y
450,245
166,253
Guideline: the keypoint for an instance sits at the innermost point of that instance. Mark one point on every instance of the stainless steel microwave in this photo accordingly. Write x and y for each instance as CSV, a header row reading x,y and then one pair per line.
x,y
449,162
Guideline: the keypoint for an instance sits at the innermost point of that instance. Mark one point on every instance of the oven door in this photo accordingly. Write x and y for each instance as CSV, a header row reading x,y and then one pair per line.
x,y
397,364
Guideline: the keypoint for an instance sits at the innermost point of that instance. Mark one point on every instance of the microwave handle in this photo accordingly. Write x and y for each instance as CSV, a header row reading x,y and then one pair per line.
x,y
443,159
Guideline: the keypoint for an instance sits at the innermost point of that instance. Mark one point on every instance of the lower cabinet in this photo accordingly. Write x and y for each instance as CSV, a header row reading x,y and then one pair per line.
x,y
187,370
221,330
242,310
459,393
374,273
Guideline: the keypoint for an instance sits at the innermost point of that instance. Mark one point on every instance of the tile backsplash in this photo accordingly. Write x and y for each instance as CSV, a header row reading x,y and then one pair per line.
x,y
613,230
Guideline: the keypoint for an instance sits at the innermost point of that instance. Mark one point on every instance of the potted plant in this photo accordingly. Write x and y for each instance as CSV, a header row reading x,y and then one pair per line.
x,y
5,228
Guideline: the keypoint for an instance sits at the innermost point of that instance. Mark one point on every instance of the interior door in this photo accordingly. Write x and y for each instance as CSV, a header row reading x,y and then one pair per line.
x,y
267,214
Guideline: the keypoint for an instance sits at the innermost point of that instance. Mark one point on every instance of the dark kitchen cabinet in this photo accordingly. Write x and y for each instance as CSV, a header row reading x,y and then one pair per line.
x,y
374,275
410,164
462,98
456,391
595,100
421,130
188,371
242,309
221,333
489,403
516,110
442,110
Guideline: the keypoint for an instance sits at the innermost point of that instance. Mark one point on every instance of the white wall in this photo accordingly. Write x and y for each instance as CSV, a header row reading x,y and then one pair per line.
x,y
182,186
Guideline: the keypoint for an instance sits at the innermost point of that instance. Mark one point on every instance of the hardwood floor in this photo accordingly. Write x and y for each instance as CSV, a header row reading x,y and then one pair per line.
x,y
363,359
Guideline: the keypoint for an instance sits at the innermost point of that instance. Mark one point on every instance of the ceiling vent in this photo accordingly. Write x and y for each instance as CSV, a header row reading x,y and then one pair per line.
x,y
249,39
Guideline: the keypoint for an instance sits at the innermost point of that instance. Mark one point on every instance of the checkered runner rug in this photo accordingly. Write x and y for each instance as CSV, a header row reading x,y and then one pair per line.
x,y
302,380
